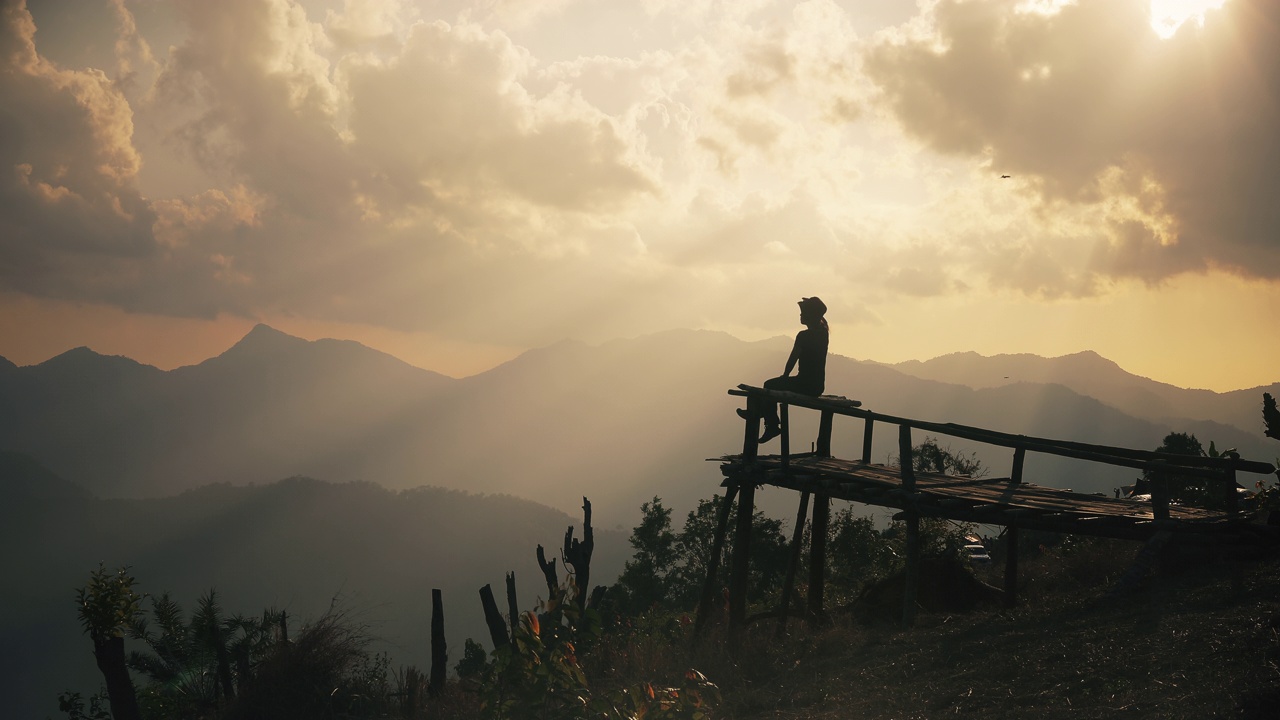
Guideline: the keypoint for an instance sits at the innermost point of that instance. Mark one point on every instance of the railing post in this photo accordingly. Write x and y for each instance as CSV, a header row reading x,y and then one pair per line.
x,y
907,472
823,446
867,426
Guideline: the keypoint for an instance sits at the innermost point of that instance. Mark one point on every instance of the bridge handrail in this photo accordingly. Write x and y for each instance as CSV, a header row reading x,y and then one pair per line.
x,y
1191,465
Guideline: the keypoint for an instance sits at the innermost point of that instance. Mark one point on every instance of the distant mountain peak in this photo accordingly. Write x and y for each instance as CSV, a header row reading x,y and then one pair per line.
x,y
264,339
81,358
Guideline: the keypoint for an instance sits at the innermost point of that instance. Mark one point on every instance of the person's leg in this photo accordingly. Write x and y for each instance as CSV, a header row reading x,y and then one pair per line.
x,y
769,408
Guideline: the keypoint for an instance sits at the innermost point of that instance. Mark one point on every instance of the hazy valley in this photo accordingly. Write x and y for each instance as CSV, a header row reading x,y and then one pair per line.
x,y
179,473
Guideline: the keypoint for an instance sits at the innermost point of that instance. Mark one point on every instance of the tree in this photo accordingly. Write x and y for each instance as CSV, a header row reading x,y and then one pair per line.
x,y
929,456
1180,488
474,660
1270,417
109,607
857,552
769,552
647,577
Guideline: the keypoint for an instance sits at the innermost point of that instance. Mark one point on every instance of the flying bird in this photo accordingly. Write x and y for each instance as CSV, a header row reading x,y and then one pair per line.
x,y
1002,177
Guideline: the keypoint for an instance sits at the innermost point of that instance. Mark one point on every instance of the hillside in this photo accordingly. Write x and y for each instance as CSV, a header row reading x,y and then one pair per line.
x,y
621,422
296,544
1184,647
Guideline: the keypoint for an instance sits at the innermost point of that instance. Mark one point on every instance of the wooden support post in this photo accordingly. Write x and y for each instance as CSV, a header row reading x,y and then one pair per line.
x,y
1160,495
1011,566
911,585
513,607
1232,497
868,426
713,562
751,433
741,560
818,556
784,415
906,471
439,653
1011,537
797,537
823,446
493,618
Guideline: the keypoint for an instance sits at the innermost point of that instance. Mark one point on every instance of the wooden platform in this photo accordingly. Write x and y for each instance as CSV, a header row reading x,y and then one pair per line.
x,y
1010,502
999,501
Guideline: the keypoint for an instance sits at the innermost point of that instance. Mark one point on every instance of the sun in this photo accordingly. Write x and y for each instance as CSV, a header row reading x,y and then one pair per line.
x,y
1168,15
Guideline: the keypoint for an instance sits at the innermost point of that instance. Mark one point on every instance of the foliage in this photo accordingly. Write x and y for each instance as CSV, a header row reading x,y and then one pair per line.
x,y
769,550
649,577
474,660
195,665
540,676
668,568
857,552
1183,489
73,704
325,672
1270,417
929,456
108,605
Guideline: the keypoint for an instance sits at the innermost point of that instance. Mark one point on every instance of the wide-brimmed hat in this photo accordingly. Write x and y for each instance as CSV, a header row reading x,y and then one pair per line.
x,y
813,305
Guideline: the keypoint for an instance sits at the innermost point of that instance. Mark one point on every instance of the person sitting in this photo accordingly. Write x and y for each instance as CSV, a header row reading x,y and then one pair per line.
x,y
809,355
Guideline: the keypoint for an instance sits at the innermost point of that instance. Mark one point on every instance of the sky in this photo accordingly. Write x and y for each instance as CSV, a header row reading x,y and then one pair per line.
x,y
456,181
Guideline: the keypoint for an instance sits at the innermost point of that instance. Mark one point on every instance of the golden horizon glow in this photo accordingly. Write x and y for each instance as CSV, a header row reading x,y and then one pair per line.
x,y
454,183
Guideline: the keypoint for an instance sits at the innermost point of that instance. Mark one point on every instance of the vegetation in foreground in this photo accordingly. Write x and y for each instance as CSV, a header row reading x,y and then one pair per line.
x,y
1199,638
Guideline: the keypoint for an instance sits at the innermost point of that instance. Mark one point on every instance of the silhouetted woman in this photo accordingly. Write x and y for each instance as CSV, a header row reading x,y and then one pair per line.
x,y
810,354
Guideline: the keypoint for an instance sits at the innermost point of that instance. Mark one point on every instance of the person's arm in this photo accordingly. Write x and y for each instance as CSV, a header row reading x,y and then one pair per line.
x,y
795,356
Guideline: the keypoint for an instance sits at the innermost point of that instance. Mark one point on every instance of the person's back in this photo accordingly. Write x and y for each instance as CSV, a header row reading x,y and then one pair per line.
x,y
811,366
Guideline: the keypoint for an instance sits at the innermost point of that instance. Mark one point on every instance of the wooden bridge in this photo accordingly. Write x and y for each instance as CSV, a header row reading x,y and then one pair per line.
x,y
1007,501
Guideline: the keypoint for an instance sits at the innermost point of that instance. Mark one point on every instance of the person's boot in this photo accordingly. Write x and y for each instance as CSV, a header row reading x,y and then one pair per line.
x,y
771,431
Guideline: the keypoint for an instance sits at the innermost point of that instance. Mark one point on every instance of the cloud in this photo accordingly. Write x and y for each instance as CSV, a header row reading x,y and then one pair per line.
x,y
1172,143
68,203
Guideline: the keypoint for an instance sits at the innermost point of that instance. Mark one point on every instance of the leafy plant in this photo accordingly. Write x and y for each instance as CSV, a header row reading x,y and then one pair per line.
x,y
73,704
540,675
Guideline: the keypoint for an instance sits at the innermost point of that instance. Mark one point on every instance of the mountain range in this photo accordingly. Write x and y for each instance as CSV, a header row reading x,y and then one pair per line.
x,y
620,422
298,545
429,481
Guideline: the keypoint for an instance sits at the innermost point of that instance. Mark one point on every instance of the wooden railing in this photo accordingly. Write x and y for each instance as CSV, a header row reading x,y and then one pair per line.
x,y
1219,471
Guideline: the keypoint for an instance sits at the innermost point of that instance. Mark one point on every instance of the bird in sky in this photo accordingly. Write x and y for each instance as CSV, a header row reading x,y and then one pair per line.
x,y
1005,176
